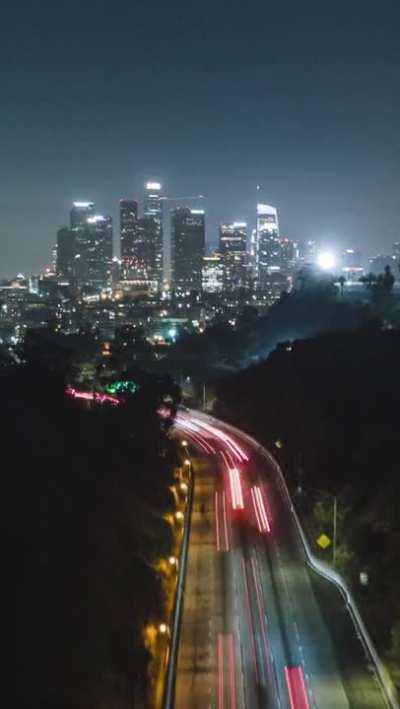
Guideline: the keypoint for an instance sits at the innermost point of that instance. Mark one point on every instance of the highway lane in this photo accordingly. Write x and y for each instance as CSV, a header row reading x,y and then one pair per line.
x,y
255,631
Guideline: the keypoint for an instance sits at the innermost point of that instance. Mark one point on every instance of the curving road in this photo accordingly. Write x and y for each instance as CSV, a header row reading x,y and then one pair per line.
x,y
259,627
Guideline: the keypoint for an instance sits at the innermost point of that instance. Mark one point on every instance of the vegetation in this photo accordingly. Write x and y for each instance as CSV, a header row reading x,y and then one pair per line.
x,y
316,306
332,403
85,495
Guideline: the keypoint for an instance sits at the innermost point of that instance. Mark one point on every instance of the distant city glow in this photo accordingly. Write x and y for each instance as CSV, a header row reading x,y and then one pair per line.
x,y
326,260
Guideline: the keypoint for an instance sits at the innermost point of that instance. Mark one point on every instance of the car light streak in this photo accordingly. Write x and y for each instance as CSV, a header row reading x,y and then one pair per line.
x,y
231,660
221,436
227,545
96,396
296,687
220,664
250,619
193,431
259,509
257,586
217,529
221,527
236,489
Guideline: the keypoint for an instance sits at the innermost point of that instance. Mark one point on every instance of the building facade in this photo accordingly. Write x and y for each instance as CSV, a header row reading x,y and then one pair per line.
x,y
267,248
80,212
233,250
212,278
188,248
94,252
152,230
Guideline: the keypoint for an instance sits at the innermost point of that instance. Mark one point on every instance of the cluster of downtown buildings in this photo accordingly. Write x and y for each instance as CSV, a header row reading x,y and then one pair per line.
x,y
84,251
163,281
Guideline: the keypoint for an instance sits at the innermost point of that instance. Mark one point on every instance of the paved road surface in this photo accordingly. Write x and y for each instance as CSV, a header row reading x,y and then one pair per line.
x,y
259,628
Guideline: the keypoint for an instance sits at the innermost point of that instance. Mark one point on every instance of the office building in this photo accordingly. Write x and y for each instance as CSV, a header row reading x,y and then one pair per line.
x,y
267,251
188,247
233,250
351,265
289,257
128,217
80,212
212,278
94,252
152,230
66,251
131,249
377,264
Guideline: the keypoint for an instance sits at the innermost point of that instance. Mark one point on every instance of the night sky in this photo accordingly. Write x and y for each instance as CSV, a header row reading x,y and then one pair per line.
x,y
300,97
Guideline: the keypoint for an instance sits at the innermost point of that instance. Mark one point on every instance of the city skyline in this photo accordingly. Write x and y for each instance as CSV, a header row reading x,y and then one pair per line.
x,y
311,115
245,211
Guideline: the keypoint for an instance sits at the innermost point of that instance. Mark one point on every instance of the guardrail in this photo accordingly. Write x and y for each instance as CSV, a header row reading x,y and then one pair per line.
x,y
169,688
326,572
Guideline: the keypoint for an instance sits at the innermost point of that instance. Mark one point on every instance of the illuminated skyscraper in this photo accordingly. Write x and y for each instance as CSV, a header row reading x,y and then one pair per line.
x,y
66,250
233,250
153,230
289,256
351,263
80,212
188,247
94,251
212,278
268,248
130,243
128,216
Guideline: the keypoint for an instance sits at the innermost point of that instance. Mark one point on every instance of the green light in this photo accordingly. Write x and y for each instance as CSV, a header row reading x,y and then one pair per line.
x,y
122,386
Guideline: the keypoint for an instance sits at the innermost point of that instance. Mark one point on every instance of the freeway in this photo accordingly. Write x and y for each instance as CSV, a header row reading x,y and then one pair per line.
x,y
260,628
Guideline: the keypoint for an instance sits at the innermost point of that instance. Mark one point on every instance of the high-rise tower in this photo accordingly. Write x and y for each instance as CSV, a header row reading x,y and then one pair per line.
x,y
233,250
80,212
267,247
152,228
188,248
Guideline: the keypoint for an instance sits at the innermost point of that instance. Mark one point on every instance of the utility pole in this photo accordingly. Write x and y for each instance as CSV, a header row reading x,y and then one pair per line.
x,y
334,529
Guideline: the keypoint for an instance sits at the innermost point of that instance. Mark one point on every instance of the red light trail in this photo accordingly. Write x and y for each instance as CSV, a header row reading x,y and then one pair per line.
x,y
236,489
259,509
296,687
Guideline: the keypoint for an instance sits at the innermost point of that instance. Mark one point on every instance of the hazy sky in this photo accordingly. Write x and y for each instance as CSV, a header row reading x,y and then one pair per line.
x,y
300,97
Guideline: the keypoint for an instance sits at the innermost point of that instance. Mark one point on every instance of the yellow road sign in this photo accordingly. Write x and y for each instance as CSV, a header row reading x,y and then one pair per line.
x,y
323,541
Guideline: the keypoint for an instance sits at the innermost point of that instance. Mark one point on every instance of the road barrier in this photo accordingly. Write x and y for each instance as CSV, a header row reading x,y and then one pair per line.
x,y
169,688
326,572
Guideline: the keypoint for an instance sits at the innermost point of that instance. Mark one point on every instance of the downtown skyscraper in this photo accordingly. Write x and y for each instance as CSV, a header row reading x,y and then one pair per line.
x,y
152,230
85,249
188,248
234,256
267,251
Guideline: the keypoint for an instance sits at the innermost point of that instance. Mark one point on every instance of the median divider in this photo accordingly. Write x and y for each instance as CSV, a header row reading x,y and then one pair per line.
x,y
169,687
324,571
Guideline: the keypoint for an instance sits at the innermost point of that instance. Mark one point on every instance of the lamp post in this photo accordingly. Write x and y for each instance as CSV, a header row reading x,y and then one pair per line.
x,y
334,529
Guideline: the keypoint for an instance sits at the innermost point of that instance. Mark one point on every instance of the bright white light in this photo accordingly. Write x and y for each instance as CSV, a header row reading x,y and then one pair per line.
x,y
153,186
83,205
326,260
